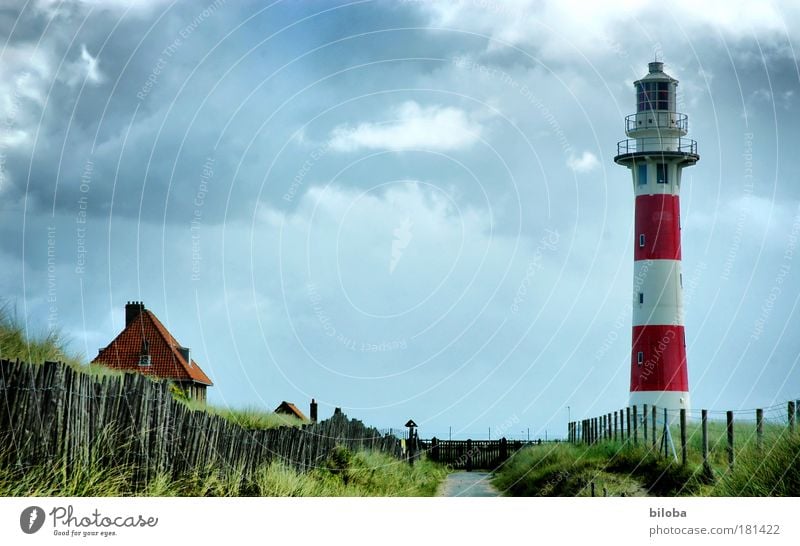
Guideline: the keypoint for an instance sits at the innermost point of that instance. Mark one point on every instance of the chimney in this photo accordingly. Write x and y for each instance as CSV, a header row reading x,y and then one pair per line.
x,y
132,310
313,411
186,354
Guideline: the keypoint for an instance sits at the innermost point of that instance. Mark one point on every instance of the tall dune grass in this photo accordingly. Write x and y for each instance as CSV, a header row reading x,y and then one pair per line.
x,y
364,474
16,342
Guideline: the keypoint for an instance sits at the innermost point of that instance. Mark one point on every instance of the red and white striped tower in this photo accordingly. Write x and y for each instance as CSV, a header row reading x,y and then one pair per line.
x,y
656,153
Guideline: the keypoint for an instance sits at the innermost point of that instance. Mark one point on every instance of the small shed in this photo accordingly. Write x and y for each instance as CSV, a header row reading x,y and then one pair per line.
x,y
287,408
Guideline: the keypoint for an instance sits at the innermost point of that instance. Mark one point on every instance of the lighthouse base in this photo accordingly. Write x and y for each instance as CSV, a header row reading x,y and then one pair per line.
x,y
674,401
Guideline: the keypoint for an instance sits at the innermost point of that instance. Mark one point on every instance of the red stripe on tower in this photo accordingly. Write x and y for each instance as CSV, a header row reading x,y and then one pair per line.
x,y
658,228
664,369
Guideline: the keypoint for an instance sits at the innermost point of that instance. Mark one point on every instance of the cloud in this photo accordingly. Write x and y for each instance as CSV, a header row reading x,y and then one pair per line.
x,y
585,163
560,27
83,69
431,128
92,72
24,75
63,7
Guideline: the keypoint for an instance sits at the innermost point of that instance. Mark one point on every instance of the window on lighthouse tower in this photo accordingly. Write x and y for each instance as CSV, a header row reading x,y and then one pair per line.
x,y
641,174
661,173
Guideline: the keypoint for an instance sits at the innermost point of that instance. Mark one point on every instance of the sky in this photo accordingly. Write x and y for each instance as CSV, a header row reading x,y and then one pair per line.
x,y
404,209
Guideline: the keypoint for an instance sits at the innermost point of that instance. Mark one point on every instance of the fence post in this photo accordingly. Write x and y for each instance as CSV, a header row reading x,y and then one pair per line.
x,y
593,489
644,423
628,418
610,431
654,433
596,429
791,416
621,425
760,428
683,436
635,426
615,426
730,439
469,455
704,418
503,449
434,449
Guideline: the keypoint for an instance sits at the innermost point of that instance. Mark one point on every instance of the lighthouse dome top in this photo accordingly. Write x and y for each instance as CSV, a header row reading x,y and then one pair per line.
x,y
656,73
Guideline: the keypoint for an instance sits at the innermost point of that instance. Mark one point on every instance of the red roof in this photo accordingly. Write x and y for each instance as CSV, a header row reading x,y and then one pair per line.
x,y
166,361
287,408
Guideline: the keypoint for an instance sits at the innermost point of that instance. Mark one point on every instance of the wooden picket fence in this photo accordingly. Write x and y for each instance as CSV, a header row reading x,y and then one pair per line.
x,y
53,413
468,454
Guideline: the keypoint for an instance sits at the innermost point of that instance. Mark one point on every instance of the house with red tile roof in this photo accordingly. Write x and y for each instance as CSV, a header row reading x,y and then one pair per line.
x,y
287,408
146,346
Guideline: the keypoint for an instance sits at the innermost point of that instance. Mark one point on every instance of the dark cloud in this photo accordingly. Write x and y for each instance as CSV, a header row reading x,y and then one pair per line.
x,y
199,146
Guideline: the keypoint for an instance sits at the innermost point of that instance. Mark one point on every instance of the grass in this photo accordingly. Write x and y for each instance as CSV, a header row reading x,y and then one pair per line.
x,y
344,474
569,470
250,418
771,472
254,418
744,438
17,342
624,469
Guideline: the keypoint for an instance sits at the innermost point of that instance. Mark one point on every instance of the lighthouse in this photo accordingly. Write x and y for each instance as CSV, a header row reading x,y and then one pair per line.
x,y
656,151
